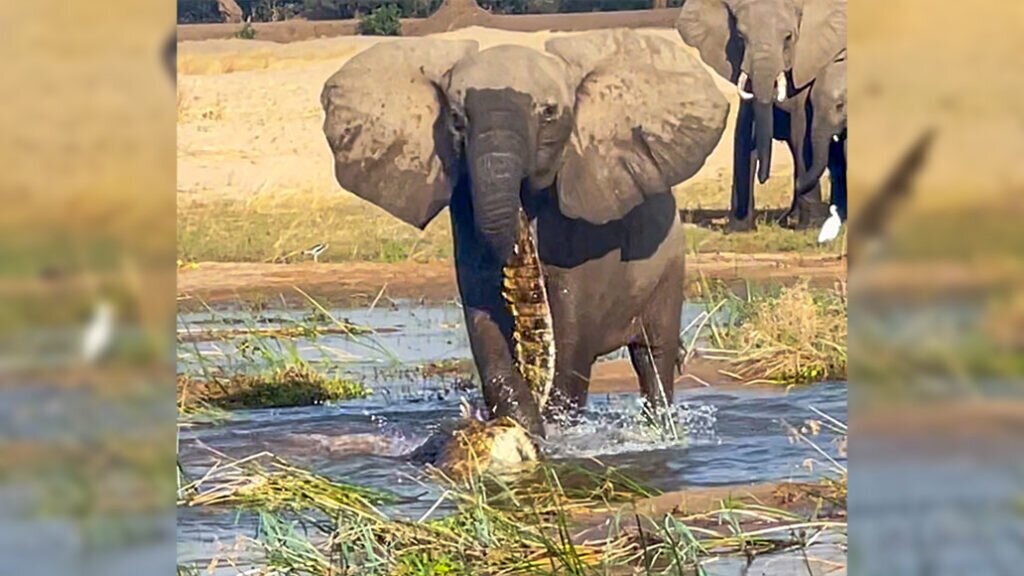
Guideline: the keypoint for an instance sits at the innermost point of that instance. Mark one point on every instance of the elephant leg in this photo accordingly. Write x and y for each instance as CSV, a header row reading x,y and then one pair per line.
x,y
654,352
810,210
504,390
741,216
489,322
572,382
837,176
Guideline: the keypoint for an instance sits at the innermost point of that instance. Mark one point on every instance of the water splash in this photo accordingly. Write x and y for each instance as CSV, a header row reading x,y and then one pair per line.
x,y
616,424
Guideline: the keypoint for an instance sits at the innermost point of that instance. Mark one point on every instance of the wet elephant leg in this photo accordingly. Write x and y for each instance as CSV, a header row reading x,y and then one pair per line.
x,y
571,385
741,217
654,352
504,390
488,322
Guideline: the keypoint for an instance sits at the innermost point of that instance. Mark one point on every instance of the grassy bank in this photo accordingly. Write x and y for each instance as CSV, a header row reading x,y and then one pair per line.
x,y
785,335
278,227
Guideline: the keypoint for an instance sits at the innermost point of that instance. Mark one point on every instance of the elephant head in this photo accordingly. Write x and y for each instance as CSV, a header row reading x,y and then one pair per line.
x,y
604,119
760,44
828,120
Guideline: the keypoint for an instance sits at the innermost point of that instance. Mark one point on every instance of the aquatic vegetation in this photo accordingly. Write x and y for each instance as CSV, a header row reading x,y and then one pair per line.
x,y
297,385
536,525
263,367
794,335
267,483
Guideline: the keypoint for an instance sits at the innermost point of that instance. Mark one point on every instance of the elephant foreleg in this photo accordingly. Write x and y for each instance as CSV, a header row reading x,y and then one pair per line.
x,y
504,390
741,217
489,322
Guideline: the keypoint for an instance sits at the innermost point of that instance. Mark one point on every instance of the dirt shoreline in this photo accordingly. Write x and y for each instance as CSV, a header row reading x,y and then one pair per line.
x,y
358,283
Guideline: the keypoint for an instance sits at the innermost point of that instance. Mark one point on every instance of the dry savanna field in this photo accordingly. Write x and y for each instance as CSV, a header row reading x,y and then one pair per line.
x,y
255,175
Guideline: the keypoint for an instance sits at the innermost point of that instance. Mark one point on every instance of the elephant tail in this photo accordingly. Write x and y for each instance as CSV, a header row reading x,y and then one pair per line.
x,y
527,299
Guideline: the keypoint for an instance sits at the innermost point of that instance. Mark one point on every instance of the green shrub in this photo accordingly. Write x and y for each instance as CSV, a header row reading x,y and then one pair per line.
x,y
383,21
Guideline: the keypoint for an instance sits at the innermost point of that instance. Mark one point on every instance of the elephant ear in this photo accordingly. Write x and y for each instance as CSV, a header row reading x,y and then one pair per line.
x,y
647,115
822,38
705,25
384,124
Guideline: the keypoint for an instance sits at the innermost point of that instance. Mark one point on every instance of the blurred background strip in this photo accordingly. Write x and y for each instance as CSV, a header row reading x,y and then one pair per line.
x,y
86,288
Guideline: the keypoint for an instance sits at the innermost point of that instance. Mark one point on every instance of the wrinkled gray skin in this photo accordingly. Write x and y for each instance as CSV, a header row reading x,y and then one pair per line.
x,y
590,157
763,42
827,114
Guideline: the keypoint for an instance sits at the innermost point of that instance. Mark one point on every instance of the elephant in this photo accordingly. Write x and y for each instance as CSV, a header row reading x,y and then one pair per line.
x,y
576,146
771,50
827,114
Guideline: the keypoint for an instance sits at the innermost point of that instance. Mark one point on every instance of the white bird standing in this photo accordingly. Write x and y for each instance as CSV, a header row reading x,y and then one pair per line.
x,y
830,229
316,251
99,333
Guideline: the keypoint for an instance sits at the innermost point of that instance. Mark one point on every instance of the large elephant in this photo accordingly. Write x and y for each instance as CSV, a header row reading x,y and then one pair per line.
x,y
827,112
586,139
772,50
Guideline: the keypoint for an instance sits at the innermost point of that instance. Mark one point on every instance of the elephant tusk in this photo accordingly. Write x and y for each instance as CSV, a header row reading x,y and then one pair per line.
x,y
741,85
781,88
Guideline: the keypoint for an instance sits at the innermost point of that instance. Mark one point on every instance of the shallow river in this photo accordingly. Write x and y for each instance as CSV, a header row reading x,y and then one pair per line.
x,y
732,436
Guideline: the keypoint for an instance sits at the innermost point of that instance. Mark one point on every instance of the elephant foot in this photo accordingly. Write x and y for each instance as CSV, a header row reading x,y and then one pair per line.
x,y
812,218
745,225
811,213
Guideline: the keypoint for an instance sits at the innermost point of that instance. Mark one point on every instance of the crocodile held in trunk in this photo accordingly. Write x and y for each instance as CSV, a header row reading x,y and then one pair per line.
x,y
527,299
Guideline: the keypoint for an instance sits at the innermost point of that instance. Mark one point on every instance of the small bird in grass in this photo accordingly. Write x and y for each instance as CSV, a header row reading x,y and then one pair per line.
x,y
830,229
316,251
99,333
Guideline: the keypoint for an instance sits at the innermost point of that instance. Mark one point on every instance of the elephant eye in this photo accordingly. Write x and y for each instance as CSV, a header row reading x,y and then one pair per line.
x,y
549,112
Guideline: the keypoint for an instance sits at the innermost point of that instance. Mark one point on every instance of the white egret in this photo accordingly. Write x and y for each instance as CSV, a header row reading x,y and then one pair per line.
x,y
99,333
830,229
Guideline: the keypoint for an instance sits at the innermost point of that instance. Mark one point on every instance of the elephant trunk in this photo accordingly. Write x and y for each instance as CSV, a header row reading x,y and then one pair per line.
x,y
764,117
765,85
821,141
497,169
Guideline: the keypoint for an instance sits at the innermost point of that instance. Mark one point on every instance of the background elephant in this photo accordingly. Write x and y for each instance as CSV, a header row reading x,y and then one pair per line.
x,y
827,113
772,50
587,139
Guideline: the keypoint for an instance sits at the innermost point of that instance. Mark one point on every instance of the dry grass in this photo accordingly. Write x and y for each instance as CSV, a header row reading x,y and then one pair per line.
x,y
277,227
793,336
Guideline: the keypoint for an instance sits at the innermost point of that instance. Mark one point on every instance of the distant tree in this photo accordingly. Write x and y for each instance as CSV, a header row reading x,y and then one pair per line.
x,y
383,21
195,11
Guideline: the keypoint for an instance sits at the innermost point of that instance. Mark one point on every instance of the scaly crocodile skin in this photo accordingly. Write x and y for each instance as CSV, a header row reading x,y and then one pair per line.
x,y
527,299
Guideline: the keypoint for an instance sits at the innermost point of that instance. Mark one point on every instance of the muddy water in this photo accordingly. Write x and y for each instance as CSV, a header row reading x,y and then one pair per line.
x,y
724,437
